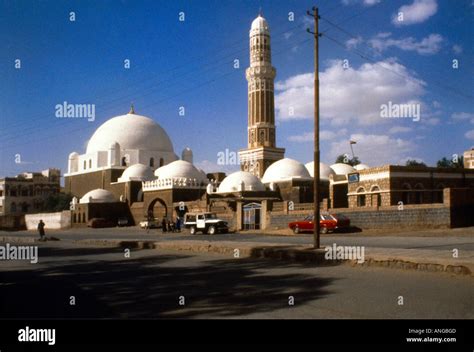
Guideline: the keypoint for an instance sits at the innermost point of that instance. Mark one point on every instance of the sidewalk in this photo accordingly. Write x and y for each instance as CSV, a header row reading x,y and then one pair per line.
x,y
405,259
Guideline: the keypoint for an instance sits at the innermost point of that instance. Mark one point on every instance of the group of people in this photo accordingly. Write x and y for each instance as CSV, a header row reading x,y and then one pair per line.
x,y
170,226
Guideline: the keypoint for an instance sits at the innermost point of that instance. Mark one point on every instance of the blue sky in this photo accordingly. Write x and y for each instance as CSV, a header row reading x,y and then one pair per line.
x,y
191,64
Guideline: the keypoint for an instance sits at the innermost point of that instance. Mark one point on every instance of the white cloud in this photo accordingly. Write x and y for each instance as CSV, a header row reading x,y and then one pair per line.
x,y
324,135
353,94
417,12
457,49
365,2
375,149
399,129
426,46
354,42
463,116
469,134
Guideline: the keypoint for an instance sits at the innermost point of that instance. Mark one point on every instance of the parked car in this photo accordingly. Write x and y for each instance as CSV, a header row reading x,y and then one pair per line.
x,y
207,223
327,223
122,222
100,222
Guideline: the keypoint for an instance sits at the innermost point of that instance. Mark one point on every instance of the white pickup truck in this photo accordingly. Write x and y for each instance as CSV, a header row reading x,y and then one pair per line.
x,y
207,223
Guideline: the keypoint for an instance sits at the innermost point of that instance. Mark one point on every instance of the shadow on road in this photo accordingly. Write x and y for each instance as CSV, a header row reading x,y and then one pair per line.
x,y
150,286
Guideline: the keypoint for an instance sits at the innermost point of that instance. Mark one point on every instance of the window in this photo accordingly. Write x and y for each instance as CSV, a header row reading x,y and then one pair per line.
x,y
376,196
419,193
90,163
74,218
152,162
406,193
124,161
162,162
13,207
85,165
361,197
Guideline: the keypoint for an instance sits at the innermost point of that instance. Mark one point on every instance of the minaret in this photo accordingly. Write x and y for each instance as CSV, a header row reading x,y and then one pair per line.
x,y
261,150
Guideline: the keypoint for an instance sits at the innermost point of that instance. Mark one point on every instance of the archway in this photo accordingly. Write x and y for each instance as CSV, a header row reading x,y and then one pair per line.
x,y
157,209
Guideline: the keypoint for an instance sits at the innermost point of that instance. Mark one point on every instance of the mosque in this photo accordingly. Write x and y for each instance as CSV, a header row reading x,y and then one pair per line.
x,y
130,168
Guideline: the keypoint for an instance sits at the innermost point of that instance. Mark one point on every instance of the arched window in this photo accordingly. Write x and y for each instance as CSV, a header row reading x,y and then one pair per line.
x,y
124,161
74,218
162,162
152,162
361,197
83,217
13,207
419,193
90,163
376,196
85,164
406,188
438,194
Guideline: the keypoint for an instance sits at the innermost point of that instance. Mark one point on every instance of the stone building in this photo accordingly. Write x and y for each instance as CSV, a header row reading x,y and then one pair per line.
x,y
391,185
27,192
469,159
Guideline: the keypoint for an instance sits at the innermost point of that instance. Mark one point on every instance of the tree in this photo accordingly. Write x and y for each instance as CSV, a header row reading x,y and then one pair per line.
x,y
413,162
445,162
344,159
57,202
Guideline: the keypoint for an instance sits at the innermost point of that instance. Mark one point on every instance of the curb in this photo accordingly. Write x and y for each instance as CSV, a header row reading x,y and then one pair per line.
x,y
271,251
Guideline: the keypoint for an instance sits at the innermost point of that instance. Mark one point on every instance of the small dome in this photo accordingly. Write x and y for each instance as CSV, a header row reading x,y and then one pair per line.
x,y
342,169
137,172
259,25
178,169
361,167
98,196
284,170
131,131
73,155
234,181
324,170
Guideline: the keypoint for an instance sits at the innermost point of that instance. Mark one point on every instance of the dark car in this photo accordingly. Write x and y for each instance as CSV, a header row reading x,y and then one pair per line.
x,y
327,223
100,222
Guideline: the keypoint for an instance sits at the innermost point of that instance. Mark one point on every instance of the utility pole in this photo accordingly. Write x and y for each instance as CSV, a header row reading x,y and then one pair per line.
x,y
316,236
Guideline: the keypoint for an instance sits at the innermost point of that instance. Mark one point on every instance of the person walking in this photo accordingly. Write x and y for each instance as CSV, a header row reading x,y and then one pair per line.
x,y
164,224
41,225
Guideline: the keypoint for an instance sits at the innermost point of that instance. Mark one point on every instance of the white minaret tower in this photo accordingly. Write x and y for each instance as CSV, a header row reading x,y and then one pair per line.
x,y
261,149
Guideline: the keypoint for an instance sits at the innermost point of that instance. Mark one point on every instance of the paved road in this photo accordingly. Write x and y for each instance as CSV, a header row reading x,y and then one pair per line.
x,y
148,285
462,239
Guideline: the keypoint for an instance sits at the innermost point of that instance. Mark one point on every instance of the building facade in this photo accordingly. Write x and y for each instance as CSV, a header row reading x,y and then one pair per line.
x,y
28,191
261,149
469,159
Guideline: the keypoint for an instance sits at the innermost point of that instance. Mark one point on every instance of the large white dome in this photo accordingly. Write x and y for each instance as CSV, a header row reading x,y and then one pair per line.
x,y
361,167
233,182
137,172
180,169
98,195
285,169
342,169
131,131
324,170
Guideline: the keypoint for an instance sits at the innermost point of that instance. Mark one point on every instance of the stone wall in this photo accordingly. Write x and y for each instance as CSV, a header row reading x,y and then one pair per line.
x,y
12,222
58,220
415,216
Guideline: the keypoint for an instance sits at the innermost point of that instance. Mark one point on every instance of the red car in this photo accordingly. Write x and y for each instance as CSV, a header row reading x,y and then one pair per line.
x,y
327,223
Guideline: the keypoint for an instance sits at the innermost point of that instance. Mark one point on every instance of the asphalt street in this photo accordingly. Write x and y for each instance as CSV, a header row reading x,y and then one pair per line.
x,y
151,284
445,239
